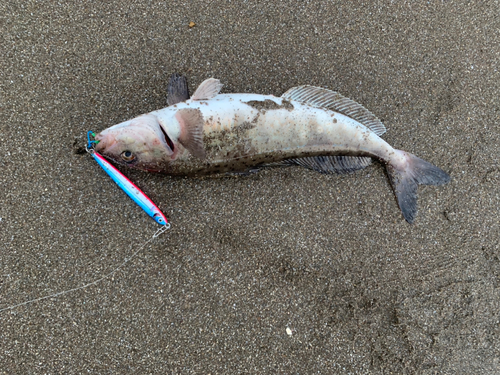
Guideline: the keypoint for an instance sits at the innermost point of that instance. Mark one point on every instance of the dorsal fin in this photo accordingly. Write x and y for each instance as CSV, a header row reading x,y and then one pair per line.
x,y
177,89
319,97
207,89
191,137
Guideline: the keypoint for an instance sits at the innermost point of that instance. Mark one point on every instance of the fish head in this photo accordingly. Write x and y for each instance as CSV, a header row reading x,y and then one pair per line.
x,y
140,143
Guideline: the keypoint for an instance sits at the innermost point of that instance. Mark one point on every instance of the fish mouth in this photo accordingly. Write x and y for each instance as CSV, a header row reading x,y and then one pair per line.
x,y
104,142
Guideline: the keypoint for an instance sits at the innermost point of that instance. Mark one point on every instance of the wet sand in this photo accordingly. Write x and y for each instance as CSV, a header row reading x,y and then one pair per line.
x,y
287,270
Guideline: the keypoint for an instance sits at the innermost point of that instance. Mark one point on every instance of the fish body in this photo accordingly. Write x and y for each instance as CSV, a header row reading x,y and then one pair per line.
x,y
241,131
308,126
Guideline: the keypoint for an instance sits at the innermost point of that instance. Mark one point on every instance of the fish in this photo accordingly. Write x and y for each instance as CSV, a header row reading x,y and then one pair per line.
x,y
212,133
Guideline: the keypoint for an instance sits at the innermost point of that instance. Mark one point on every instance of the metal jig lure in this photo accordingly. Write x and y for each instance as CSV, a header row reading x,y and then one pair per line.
x,y
136,194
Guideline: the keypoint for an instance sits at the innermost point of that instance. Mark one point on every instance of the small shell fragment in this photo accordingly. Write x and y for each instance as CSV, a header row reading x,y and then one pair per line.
x,y
192,24
289,331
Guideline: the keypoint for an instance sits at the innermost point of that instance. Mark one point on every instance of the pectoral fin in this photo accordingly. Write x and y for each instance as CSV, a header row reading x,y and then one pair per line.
x,y
191,137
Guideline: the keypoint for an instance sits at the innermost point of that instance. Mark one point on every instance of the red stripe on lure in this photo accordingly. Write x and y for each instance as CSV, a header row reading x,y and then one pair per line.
x,y
136,194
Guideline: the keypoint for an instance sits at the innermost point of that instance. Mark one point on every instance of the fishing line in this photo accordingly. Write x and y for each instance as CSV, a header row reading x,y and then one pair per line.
x,y
136,195
157,233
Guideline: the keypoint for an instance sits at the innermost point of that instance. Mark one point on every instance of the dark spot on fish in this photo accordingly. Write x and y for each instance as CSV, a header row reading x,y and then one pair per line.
x,y
287,105
269,105
334,120
256,118
243,127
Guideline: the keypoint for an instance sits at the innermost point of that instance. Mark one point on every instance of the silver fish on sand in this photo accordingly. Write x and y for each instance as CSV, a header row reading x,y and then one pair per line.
x,y
308,126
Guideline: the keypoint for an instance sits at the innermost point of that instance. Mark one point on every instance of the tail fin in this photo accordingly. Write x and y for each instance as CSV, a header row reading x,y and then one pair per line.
x,y
405,182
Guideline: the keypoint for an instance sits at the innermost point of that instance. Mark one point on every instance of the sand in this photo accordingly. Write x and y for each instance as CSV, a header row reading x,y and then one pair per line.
x,y
287,270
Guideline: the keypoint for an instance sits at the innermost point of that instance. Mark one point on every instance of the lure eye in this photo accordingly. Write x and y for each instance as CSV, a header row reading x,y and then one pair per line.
x,y
128,156
159,219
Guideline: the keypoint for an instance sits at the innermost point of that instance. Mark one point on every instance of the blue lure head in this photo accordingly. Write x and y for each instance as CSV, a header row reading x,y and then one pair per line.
x,y
159,219
91,143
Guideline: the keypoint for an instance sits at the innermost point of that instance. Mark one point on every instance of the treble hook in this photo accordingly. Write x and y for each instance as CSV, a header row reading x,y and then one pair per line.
x,y
91,143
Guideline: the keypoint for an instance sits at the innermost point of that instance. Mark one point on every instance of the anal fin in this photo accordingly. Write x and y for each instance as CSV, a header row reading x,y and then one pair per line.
x,y
247,172
331,164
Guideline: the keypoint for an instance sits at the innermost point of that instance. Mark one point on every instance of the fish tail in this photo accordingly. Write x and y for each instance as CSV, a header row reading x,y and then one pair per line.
x,y
405,178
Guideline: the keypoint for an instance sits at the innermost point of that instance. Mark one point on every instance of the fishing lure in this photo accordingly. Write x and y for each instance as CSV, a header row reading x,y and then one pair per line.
x,y
136,194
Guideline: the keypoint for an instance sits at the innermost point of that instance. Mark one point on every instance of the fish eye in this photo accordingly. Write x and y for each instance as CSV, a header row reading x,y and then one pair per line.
x,y
128,156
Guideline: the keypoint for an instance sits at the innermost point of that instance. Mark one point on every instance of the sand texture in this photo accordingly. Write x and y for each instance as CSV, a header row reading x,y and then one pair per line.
x,y
286,271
